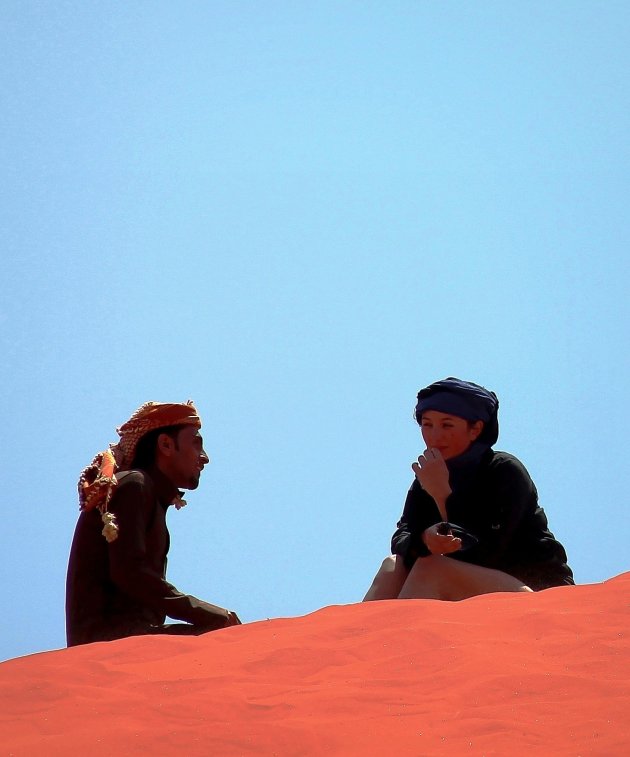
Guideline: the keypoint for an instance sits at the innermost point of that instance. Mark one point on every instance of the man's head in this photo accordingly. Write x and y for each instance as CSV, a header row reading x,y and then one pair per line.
x,y
177,451
148,419
158,433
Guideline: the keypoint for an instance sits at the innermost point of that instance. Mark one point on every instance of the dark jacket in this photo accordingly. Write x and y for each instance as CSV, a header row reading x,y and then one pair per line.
x,y
500,507
119,589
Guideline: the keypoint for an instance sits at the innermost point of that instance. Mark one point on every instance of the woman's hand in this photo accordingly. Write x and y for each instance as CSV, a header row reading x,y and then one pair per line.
x,y
432,473
439,544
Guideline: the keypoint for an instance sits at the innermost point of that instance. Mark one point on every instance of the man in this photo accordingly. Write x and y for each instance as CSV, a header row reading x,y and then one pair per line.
x,y
116,583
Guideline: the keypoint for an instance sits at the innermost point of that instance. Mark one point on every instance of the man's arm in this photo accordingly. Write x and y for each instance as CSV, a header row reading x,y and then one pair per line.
x,y
132,572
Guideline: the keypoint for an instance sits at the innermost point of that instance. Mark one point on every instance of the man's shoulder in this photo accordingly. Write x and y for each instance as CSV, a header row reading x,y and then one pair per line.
x,y
134,476
136,480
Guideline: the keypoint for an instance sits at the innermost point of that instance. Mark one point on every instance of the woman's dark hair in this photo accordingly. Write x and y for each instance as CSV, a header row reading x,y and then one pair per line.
x,y
145,449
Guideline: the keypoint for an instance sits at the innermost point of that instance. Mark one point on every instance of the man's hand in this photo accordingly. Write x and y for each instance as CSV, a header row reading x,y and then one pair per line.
x,y
432,473
440,544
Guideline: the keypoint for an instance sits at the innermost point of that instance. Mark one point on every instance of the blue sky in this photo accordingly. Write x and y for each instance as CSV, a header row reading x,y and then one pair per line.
x,y
298,214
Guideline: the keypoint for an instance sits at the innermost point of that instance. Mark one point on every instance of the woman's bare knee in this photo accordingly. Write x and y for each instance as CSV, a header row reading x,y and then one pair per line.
x,y
388,565
388,581
440,577
425,578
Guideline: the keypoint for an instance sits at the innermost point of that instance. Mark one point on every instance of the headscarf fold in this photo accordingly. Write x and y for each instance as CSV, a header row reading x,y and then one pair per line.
x,y
97,481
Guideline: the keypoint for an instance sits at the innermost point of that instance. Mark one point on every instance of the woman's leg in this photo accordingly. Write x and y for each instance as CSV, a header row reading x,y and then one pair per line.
x,y
439,577
389,580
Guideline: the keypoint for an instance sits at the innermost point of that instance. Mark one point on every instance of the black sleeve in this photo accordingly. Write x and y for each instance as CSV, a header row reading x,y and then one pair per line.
x,y
419,512
514,499
524,536
132,572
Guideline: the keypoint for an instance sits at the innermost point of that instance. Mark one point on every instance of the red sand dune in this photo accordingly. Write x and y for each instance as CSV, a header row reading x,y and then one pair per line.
x,y
543,674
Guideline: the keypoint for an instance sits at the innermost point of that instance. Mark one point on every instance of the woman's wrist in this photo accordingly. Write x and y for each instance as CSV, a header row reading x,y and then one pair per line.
x,y
440,500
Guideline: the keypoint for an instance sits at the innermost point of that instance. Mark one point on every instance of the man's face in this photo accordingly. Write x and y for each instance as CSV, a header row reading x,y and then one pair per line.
x,y
185,458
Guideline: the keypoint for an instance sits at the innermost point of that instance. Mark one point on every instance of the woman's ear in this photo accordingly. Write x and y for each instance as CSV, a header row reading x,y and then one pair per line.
x,y
476,428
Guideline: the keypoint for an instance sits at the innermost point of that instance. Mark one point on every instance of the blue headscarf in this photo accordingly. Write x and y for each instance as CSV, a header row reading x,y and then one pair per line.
x,y
465,400
471,402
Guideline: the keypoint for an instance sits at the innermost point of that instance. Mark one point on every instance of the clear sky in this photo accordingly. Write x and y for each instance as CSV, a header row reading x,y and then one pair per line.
x,y
298,214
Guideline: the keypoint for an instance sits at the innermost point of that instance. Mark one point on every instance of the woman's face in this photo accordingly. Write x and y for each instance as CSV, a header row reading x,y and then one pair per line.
x,y
450,434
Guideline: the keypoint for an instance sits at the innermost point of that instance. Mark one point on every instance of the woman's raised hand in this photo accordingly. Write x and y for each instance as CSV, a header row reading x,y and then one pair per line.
x,y
432,473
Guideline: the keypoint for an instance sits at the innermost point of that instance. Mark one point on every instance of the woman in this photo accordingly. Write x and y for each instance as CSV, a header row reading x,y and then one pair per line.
x,y
471,522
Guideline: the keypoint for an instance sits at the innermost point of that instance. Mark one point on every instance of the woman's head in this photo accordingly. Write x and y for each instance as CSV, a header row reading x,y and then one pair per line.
x,y
449,434
453,414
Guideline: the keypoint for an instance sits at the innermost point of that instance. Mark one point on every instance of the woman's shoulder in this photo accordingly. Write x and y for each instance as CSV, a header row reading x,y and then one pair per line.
x,y
507,467
416,493
499,457
505,462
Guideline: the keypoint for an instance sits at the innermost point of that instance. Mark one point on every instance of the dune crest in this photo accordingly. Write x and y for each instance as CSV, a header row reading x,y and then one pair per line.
x,y
543,674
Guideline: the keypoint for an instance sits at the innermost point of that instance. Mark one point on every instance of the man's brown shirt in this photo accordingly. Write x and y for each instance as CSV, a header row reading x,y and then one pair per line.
x,y
120,589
